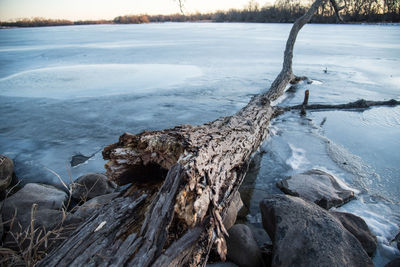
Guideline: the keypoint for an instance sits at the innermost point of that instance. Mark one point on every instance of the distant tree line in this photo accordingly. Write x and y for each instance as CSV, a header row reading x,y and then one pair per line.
x,y
362,11
36,22
282,11
131,19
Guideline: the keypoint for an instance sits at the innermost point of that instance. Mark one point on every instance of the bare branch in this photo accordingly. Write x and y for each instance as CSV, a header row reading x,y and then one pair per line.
x,y
337,10
181,5
361,104
286,74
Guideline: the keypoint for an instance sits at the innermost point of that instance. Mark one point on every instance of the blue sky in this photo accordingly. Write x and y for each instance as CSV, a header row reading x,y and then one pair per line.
x,y
107,9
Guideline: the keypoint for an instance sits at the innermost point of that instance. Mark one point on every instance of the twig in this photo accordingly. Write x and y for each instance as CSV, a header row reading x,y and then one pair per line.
x,y
32,233
59,178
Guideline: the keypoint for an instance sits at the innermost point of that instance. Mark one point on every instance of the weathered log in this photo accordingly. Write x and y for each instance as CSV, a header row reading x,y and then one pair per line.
x,y
109,236
182,180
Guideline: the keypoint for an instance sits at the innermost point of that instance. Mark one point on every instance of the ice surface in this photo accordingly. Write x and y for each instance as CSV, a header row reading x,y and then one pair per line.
x,y
382,219
75,89
96,80
366,144
302,143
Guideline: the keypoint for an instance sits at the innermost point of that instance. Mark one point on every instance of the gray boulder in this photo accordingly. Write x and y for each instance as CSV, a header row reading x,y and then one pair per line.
x,y
1,228
242,247
43,218
316,186
304,234
394,263
221,264
260,235
397,240
91,185
6,173
89,207
359,229
45,196
55,223
232,212
17,211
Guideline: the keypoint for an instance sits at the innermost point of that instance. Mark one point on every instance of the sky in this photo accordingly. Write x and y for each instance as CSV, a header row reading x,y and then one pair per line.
x,y
108,9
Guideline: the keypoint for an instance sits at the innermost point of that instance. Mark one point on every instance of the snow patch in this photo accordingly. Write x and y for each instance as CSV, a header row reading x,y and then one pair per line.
x,y
298,158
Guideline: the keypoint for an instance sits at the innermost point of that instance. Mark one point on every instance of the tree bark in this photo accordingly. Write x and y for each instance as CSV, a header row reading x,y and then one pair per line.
x,y
182,181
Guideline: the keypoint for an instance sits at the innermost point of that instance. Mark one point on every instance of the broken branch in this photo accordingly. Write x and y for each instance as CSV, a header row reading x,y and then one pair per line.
x,y
359,104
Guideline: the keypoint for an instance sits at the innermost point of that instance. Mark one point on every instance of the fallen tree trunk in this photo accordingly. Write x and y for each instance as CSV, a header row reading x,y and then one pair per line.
x,y
182,181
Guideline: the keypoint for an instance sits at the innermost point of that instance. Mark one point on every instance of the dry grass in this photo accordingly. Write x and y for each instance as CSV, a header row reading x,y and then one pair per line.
x,y
33,243
9,257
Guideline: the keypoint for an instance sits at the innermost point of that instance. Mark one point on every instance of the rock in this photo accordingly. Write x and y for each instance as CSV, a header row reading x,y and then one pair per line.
x,y
17,211
359,229
91,185
394,263
316,186
78,159
260,235
45,196
232,212
12,258
222,264
47,218
55,223
304,234
242,248
267,253
1,229
89,207
6,173
397,240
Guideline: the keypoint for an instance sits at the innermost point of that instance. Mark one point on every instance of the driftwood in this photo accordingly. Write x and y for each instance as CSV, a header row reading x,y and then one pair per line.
x,y
182,181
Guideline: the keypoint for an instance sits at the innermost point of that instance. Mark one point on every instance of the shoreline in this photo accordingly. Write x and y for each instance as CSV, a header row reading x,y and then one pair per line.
x,y
2,27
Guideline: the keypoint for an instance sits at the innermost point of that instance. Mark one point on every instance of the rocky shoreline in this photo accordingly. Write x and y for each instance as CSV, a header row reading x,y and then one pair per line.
x,y
37,217
302,229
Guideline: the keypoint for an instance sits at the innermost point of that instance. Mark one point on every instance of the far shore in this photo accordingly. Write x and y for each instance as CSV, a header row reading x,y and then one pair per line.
x,y
278,13
2,27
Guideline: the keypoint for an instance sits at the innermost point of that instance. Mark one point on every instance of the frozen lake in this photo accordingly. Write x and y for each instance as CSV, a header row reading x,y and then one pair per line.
x,y
75,89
